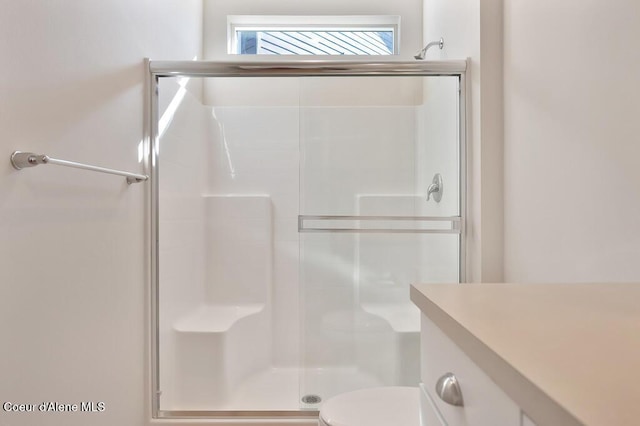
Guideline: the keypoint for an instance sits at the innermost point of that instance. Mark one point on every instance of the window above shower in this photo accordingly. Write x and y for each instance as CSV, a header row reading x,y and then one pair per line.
x,y
313,35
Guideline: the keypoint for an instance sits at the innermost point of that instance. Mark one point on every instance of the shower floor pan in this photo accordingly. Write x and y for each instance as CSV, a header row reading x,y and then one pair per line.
x,y
282,389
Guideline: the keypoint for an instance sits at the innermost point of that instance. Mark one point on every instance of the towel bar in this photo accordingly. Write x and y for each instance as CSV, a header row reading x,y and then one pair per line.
x,y
20,160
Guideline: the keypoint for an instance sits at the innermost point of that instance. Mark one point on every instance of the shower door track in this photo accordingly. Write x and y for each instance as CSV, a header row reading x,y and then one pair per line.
x,y
275,68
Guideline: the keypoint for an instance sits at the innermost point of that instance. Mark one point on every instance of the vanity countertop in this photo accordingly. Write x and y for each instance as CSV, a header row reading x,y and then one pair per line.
x,y
567,354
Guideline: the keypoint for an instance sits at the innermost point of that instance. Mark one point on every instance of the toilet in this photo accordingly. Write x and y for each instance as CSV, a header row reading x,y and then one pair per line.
x,y
383,406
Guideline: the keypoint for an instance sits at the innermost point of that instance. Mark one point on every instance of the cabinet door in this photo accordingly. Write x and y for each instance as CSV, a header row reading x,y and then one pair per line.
x,y
484,403
429,414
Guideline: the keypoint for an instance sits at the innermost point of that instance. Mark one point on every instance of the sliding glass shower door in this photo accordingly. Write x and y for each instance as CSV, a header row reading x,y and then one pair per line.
x,y
379,210
290,214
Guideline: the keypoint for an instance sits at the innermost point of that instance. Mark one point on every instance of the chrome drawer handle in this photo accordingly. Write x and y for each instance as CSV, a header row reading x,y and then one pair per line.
x,y
448,389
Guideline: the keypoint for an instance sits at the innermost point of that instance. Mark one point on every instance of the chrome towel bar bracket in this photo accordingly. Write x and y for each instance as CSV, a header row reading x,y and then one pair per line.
x,y
20,160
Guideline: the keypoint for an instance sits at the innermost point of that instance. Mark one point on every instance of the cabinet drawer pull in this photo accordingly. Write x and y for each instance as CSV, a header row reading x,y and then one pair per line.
x,y
448,389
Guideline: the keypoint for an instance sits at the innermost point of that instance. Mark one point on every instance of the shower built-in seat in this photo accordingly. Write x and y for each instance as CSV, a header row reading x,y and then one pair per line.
x,y
404,320
216,350
219,344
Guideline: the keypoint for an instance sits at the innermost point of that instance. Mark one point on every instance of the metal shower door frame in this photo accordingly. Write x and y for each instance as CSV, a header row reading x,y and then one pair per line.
x,y
276,68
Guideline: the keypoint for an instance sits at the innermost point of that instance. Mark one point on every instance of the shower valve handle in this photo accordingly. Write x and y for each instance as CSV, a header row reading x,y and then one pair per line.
x,y
435,188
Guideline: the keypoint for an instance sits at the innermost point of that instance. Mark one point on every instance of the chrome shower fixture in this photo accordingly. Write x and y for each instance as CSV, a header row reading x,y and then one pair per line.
x,y
423,52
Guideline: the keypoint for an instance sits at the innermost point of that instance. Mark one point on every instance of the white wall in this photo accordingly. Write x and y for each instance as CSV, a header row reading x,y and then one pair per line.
x,y
569,189
473,29
72,262
572,175
216,11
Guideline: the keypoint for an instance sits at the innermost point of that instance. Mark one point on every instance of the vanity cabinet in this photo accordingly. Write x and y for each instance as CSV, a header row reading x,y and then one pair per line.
x,y
564,354
483,402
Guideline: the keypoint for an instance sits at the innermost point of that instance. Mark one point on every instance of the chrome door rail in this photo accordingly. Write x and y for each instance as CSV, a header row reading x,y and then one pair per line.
x,y
453,221
235,415
303,68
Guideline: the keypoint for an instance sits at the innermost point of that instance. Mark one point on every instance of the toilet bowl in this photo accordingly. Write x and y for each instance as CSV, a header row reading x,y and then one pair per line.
x,y
383,406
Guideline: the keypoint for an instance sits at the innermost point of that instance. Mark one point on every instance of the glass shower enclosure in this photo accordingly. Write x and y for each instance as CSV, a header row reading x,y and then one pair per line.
x,y
292,205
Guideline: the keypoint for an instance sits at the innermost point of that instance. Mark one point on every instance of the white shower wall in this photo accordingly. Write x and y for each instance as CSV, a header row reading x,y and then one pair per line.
x,y
181,255
259,147
222,246
438,151
357,151
255,151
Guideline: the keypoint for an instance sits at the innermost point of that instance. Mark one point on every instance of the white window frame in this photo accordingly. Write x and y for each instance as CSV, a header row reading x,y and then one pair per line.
x,y
309,23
